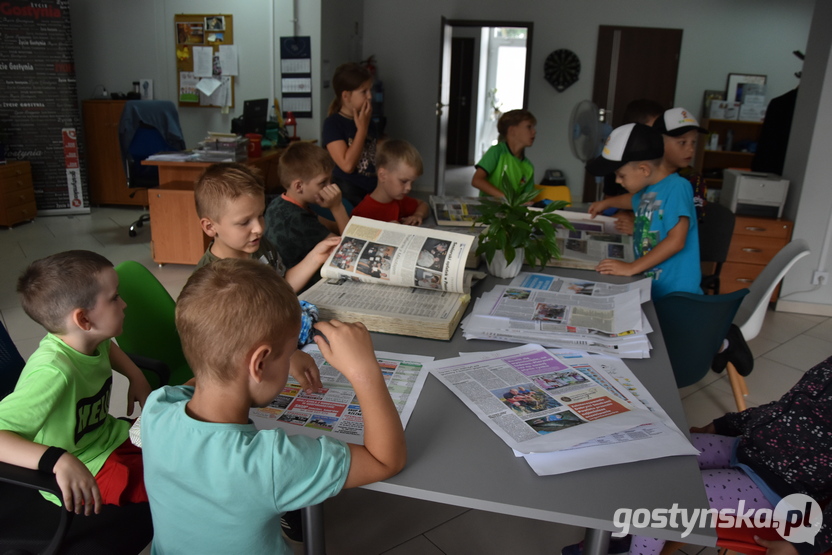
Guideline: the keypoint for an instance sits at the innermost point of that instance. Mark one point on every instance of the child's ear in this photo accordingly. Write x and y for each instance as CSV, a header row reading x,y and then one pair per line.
x,y
256,362
78,318
296,186
381,173
208,227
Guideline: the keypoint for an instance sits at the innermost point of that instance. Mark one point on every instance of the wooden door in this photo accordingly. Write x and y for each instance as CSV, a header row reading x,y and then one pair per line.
x,y
461,101
176,236
633,63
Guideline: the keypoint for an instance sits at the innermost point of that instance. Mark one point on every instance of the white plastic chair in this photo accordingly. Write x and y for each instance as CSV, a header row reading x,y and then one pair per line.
x,y
752,311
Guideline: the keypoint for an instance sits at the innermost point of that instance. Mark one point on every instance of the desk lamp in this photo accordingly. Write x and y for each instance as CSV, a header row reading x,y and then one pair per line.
x,y
290,120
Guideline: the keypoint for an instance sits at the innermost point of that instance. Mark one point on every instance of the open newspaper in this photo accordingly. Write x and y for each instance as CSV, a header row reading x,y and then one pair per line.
x,y
455,211
536,401
395,279
335,410
592,240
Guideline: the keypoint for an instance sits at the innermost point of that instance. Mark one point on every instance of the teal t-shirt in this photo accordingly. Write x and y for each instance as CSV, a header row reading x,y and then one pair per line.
x,y
62,399
221,488
499,161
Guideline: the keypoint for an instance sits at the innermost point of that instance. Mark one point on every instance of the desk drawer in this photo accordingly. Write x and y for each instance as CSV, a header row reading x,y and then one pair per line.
x,y
14,215
16,198
15,182
763,227
735,276
754,250
14,169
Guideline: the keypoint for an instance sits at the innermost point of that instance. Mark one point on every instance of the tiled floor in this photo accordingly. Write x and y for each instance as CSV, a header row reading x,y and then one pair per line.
x,y
366,522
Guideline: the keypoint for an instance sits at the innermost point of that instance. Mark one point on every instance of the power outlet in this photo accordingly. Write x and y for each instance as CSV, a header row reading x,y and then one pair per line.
x,y
820,278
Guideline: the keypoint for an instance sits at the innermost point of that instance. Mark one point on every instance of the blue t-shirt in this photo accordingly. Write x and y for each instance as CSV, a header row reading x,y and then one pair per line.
x,y
339,128
658,208
221,488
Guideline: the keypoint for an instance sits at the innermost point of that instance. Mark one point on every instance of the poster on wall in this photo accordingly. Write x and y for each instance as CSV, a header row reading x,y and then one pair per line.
x,y
39,116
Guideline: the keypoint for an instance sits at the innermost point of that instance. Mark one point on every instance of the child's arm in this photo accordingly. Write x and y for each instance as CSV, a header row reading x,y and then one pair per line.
x,y
139,389
667,247
348,348
78,485
623,202
330,198
418,216
347,157
303,368
299,275
480,181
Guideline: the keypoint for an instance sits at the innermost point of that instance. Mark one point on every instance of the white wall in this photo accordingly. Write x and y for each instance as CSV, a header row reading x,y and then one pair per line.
x,y
341,32
742,36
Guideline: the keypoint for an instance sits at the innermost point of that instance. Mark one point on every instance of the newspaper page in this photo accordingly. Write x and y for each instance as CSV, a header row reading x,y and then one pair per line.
x,y
536,402
572,286
455,211
393,254
592,240
335,410
661,438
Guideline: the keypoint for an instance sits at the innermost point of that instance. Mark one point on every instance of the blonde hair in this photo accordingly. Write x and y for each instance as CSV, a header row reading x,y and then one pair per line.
x,y
220,183
303,161
512,118
348,77
394,151
52,287
229,307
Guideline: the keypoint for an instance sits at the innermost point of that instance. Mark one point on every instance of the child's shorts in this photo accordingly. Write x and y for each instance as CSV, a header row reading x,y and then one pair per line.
x,y
121,479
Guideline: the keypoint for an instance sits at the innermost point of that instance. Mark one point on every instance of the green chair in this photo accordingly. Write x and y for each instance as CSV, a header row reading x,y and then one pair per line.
x,y
693,327
149,336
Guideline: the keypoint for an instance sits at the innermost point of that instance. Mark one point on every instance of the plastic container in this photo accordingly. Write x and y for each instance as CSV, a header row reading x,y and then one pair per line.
x,y
255,146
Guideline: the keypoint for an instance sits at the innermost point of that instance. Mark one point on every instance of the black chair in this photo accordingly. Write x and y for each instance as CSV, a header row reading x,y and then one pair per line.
x,y
715,231
31,524
147,127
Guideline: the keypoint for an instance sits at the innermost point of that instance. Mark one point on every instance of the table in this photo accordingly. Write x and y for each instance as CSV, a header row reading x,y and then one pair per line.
x,y
175,234
454,458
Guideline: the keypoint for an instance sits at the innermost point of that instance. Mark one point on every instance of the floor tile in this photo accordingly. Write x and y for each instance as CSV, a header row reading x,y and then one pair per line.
x,y
802,352
417,546
709,403
20,326
761,345
767,382
709,378
782,326
822,331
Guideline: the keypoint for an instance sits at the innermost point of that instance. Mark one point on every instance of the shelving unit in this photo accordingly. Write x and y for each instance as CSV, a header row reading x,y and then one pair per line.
x,y
708,160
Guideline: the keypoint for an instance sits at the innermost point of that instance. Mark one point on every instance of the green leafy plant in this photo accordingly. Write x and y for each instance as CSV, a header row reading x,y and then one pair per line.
x,y
513,225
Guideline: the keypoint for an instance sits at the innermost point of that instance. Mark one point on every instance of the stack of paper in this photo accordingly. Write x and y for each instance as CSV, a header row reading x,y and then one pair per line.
x,y
564,312
563,410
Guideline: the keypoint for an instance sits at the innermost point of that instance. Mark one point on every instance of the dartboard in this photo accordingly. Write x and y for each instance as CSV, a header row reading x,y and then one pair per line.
x,y
561,69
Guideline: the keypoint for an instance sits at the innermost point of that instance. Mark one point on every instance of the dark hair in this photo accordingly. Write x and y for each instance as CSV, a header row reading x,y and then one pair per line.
x,y
303,161
52,287
220,183
347,77
640,110
512,118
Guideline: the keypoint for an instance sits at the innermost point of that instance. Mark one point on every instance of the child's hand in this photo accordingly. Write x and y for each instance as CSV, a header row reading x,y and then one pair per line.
x,y
77,485
303,368
329,196
322,250
614,267
138,390
348,348
625,221
597,207
412,220
709,429
363,115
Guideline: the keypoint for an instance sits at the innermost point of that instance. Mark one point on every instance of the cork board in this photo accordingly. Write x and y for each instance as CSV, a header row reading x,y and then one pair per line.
x,y
200,31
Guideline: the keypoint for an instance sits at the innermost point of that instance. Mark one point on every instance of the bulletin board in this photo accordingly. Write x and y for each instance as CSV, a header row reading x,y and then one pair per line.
x,y
202,31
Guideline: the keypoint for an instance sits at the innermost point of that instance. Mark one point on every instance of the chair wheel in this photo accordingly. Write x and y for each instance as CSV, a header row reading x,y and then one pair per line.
x,y
139,223
132,232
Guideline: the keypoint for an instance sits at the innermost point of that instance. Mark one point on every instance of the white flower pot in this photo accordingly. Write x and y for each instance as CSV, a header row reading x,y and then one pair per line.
x,y
499,268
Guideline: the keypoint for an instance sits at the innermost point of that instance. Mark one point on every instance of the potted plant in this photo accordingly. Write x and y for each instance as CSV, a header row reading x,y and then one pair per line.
x,y
517,232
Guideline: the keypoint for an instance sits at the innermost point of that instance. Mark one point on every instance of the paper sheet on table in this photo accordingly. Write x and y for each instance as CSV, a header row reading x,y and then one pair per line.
x,y
574,286
228,59
335,411
203,60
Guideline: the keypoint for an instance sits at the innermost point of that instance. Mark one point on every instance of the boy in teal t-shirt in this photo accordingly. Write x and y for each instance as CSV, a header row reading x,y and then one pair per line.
x,y
506,161
57,418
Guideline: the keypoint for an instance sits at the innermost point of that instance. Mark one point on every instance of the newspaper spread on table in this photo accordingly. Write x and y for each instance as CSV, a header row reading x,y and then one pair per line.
x,y
661,438
335,410
536,402
406,256
560,284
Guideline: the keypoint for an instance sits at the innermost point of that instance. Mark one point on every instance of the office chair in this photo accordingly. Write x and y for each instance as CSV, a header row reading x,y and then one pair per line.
x,y
715,233
149,335
693,327
31,524
147,127
752,311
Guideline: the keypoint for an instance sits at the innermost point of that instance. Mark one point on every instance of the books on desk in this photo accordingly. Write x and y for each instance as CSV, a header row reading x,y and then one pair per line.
x,y
395,279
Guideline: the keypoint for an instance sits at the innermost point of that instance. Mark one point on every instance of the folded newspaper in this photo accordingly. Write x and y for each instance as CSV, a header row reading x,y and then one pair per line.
x,y
396,279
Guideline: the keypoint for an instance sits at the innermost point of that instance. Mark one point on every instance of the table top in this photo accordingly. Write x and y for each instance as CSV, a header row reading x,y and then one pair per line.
x,y
454,458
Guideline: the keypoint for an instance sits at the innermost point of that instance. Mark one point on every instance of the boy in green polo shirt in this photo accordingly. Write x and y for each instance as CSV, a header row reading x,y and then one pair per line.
x,y
506,161
57,418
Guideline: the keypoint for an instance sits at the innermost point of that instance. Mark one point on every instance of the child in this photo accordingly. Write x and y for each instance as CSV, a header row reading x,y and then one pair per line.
x,y
230,201
217,484
398,165
666,241
57,418
507,159
768,452
305,171
349,133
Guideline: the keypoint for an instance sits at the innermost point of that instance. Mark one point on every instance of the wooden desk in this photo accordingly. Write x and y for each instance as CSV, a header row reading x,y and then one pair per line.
x,y
175,234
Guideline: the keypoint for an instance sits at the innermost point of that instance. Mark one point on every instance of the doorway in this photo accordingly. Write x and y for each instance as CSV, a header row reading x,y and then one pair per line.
x,y
484,71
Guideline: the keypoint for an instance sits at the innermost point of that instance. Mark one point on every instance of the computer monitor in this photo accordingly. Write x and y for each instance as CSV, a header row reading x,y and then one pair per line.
x,y
255,115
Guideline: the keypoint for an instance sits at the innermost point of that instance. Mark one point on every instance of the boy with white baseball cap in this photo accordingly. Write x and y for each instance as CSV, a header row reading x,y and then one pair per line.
x,y
665,237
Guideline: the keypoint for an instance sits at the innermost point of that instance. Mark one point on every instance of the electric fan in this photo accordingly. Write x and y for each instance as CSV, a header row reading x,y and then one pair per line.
x,y
587,133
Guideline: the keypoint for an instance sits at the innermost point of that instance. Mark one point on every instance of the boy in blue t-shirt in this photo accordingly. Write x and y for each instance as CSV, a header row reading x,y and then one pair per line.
x,y
216,483
665,238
